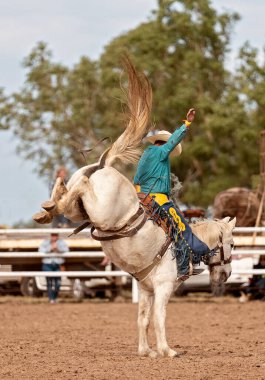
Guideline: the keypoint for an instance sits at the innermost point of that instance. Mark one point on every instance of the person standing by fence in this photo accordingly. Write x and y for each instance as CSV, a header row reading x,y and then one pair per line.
x,y
54,245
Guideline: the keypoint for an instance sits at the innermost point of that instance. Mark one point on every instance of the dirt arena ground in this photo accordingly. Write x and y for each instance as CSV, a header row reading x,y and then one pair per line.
x,y
218,339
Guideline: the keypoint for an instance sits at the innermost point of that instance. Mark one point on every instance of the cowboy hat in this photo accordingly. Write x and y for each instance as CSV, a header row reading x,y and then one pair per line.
x,y
164,136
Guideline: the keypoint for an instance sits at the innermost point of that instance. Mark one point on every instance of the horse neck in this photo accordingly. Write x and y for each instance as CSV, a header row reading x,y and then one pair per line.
x,y
208,231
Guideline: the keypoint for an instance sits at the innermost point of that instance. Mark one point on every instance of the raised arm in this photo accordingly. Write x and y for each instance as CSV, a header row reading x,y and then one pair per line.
x,y
178,135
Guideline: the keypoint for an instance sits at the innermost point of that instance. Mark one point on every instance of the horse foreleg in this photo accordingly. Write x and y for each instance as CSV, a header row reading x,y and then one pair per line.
x,y
54,206
73,203
58,193
162,294
43,217
144,314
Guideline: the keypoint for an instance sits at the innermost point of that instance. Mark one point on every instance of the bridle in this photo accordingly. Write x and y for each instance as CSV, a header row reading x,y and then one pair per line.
x,y
220,249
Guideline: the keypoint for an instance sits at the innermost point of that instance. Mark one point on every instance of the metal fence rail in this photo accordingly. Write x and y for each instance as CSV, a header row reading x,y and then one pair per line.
x,y
68,231
99,273
7,233
79,254
38,231
249,230
69,274
101,254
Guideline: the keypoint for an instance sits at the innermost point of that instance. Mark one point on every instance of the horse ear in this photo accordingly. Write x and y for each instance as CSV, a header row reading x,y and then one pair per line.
x,y
226,219
232,223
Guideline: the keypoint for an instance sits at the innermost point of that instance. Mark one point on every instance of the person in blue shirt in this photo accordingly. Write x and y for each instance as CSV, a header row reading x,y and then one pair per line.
x,y
54,247
153,177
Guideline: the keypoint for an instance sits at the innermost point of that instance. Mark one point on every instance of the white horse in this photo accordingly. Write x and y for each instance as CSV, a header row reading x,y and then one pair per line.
x,y
101,194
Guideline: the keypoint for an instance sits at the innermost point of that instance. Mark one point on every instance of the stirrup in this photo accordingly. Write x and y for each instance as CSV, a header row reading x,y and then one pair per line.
x,y
195,271
183,277
192,272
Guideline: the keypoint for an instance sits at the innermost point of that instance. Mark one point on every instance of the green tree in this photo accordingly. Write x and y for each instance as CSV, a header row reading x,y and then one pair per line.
x,y
54,114
182,49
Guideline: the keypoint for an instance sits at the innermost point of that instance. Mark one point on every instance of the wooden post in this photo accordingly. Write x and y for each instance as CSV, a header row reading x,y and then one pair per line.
x,y
261,189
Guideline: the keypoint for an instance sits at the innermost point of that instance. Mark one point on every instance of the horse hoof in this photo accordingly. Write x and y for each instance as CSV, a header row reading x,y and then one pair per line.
x,y
48,205
152,354
148,353
169,353
42,217
172,354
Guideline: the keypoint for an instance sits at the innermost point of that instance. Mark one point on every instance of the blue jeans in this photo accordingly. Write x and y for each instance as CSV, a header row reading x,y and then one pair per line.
x,y
188,246
53,283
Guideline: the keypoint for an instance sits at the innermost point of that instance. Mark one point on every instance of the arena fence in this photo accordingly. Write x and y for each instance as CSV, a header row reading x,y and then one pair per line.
x,y
99,254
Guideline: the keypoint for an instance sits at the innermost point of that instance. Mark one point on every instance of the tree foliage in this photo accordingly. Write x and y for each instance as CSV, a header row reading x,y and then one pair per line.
x,y
182,49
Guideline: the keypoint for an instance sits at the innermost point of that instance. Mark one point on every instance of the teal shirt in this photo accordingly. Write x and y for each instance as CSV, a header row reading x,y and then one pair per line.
x,y
153,171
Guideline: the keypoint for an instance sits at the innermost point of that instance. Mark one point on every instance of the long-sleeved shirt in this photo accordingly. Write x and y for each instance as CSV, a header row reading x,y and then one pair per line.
x,y
45,247
153,171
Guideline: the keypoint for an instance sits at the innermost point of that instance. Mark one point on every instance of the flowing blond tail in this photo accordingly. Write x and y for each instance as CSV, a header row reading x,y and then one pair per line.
x,y
139,102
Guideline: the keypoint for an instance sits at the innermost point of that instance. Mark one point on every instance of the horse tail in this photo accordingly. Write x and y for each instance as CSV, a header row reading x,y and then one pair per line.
x,y
139,103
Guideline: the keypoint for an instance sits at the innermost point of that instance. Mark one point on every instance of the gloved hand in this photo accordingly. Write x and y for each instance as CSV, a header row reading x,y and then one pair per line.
x,y
190,115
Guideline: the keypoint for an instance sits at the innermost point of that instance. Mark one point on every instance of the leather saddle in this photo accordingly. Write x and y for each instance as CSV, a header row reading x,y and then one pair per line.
x,y
156,213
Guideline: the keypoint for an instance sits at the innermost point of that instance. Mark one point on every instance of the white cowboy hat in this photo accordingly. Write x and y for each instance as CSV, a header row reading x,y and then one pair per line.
x,y
164,136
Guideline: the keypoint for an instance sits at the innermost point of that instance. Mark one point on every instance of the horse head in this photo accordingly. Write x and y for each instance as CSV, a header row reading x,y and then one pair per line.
x,y
217,234
220,264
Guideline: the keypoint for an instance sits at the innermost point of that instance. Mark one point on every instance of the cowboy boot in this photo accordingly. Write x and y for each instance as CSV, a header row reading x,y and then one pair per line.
x,y
185,266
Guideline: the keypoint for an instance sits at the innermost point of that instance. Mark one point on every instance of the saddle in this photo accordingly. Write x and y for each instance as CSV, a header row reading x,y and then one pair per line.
x,y
156,213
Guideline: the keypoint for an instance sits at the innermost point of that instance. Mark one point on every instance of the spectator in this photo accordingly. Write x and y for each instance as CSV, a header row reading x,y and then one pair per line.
x,y
59,221
256,287
54,245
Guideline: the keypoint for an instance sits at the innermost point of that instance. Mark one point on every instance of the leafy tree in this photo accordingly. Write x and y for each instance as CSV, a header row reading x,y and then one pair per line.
x,y
182,49
54,113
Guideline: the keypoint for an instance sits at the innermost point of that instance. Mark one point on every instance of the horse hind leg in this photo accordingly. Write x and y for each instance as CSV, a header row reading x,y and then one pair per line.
x,y
162,294
144,314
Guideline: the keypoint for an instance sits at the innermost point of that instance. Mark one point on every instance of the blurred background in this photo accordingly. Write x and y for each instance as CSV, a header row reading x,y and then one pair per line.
x,y
60,77
60,89
60,92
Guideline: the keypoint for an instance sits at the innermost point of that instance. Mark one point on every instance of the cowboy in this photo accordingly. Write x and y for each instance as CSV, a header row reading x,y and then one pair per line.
x,y
153,178
55,247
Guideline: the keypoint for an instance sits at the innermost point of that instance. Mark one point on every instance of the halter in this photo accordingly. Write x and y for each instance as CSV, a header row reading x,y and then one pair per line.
x,y
222,261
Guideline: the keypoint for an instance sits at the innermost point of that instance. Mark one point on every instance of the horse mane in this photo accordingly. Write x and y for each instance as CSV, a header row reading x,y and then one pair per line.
x,y
139,103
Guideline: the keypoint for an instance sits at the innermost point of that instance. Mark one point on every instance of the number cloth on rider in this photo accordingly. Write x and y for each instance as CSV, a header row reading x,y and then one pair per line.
x,y
153,171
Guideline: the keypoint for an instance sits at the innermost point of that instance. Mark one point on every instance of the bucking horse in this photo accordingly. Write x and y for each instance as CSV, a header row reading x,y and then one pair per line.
x,y
101,197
